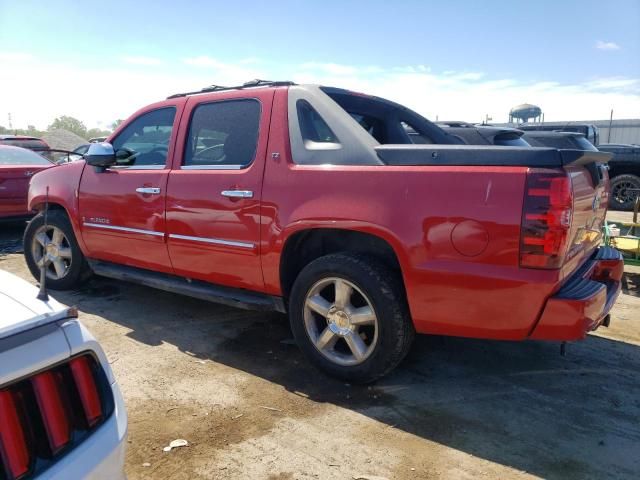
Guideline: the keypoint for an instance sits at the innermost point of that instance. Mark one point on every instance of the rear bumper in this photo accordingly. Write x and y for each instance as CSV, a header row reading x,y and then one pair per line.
x,y
584,301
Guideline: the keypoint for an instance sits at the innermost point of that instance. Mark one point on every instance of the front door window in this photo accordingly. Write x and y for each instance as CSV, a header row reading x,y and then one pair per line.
x,y
145,141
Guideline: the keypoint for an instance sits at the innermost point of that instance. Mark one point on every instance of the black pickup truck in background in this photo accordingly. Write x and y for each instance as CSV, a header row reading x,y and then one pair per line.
x,y
589,130
624,167
483,134
560,140
624,171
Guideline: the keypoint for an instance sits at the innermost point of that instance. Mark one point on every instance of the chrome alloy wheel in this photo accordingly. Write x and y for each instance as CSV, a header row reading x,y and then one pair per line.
x,y
51,246
340,321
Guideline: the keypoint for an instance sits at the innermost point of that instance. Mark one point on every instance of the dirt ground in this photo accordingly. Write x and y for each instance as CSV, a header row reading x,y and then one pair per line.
x,y
234,385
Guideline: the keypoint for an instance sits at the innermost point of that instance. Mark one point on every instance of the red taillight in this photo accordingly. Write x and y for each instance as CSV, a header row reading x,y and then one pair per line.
x,y
49,413
86,385
13,447
56,422
546,219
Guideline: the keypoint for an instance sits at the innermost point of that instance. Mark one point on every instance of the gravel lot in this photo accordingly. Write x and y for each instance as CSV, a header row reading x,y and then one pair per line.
x,y
232,383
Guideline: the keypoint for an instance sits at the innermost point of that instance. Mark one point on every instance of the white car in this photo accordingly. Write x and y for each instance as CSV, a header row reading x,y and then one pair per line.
x,y
61,411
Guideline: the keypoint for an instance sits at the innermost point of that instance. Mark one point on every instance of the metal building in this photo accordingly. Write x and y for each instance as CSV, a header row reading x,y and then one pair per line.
x,y
625,131
622,131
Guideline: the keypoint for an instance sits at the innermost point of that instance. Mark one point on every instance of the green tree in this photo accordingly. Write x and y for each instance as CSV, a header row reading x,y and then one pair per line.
x,y
33,131
116,124
69,123
97,132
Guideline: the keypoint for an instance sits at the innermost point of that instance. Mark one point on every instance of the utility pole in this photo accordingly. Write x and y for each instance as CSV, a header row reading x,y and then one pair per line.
x,y
610,125
10,125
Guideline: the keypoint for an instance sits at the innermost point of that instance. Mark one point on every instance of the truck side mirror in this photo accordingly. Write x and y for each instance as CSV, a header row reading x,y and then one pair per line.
x,y
100,155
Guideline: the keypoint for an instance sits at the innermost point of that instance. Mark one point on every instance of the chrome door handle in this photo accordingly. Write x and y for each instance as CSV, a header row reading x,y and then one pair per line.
x,y
148,190
237,193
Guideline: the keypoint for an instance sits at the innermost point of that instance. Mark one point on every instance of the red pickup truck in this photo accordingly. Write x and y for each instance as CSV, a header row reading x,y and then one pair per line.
x,y
314,201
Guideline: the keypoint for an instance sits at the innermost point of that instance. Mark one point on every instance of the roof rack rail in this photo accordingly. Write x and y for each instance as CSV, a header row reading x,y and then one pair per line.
x,y
251,83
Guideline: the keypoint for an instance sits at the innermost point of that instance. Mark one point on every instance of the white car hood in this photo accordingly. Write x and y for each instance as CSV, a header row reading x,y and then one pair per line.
x,y
20,310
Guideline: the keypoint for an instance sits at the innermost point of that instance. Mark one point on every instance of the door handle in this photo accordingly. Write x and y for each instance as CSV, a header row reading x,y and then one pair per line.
x,y
237,193
148,190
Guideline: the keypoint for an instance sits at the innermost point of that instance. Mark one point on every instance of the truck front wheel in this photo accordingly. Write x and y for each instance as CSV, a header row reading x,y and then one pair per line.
x,y
349,316
54,245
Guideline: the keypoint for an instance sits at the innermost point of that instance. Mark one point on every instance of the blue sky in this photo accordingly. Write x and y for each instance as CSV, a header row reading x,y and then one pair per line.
x,y
462,59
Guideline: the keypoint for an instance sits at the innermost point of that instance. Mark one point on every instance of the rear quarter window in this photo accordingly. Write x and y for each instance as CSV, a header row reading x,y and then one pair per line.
x,y
313,127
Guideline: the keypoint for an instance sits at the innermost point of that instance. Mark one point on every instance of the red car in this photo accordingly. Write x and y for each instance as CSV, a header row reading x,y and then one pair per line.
x,y
17,166
314,201
24,141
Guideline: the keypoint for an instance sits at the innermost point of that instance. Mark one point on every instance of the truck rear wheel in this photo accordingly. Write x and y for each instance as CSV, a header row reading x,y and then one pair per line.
x,y
350,318
624,191
56,245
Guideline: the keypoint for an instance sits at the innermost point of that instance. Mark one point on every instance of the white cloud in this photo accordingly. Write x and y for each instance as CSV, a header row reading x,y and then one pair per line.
x,y
202,61
600,45
337,69
249,61
226,73
469,76
145,61
412,69
99,95
613,83
470,96
15,57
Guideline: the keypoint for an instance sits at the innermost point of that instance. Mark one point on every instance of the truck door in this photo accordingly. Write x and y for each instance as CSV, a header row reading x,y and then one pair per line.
x,y
122,209
215,186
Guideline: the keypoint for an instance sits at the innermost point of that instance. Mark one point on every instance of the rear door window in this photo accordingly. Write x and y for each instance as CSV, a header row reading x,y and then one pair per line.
x,y
223,134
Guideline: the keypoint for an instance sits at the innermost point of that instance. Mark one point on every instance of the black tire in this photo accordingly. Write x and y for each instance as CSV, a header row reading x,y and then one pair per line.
x,y
621,196
385,292
78,269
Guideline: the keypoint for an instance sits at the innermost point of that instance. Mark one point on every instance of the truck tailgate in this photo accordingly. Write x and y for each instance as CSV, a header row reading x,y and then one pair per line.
x,y
590,184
